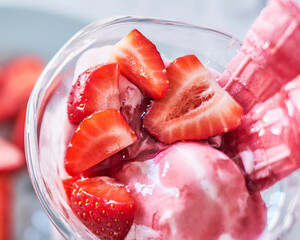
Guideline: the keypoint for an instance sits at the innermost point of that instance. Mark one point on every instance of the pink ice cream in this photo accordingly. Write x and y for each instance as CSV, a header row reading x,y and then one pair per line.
x,y
266,144
192,191
269,58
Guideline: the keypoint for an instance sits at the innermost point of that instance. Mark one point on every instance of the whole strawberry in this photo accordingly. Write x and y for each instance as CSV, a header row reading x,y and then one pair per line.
x,y
104,206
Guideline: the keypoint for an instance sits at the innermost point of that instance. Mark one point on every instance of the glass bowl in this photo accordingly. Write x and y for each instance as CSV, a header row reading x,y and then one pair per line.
x,y
48,131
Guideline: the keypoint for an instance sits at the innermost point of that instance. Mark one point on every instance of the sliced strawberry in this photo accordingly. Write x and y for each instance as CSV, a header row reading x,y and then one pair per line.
x,y
104,206
6,197
17,135
11,157
68,185
97,138
142,64
19,77
96,89
195,106
133,106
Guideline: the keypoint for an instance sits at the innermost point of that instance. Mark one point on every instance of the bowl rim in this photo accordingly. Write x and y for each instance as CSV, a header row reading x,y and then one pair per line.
x,y
41,86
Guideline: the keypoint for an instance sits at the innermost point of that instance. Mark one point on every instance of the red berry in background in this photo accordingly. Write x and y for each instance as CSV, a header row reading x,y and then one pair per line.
x,y
18,79
17,134
1,76
11,157
6,207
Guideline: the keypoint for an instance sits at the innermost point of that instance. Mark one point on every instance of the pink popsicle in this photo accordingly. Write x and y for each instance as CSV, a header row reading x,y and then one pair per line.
x,y
266,144
269,58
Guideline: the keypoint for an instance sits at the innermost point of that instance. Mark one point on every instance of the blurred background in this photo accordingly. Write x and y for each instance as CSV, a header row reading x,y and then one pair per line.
x,y
31,32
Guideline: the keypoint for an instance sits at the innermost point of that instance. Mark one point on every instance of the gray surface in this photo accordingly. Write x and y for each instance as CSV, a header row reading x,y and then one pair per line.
x,y
30,31
235,16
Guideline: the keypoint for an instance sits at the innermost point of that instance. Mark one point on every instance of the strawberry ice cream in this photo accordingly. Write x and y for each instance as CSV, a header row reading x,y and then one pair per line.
x,y
269,57
266,144
191,190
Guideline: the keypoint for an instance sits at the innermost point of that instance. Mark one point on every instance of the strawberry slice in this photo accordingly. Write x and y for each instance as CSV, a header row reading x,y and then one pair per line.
x,y
68,185
19,77
97,138
104,206
11,157
142,64
96,89
195,106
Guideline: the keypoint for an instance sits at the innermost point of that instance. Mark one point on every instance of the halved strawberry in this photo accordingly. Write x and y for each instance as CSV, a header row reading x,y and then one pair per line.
x,y
104,206
195,106
96,89
11,157
97,138
19,77
142,64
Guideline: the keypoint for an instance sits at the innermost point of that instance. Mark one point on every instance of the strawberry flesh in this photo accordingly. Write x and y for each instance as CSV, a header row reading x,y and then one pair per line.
x,y
96,89
98,137
104,206
142,64
195,106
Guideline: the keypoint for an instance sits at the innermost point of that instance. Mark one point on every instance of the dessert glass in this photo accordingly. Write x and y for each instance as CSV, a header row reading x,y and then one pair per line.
x,y
48,132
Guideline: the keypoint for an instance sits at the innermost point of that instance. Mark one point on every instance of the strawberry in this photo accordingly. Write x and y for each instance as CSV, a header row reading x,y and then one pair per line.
x,y
68,184
142,64
17,135
195,106
11,157
104,206
97,138
6,198
19,77
96,89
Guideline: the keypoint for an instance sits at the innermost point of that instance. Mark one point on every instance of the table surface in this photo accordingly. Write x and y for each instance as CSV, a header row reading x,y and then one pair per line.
x,y
233,16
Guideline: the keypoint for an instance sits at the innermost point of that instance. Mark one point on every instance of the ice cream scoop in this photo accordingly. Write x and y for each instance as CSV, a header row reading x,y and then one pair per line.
x,y
192,191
